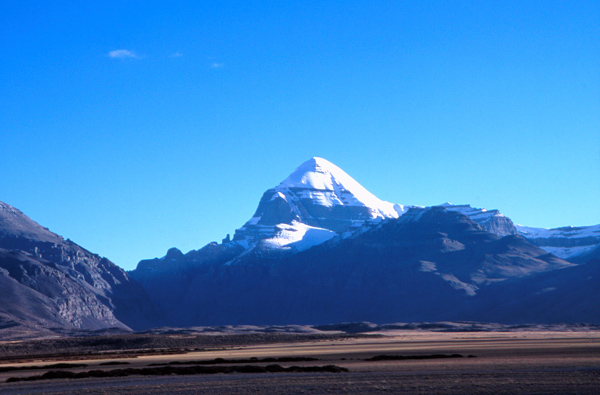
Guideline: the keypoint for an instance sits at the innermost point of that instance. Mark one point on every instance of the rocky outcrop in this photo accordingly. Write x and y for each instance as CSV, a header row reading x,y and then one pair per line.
x,y
492,220
574,244
36,290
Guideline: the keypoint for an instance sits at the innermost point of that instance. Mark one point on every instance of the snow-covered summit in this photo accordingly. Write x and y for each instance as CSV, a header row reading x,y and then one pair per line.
x,y
318,174
315,173
320,195
322,181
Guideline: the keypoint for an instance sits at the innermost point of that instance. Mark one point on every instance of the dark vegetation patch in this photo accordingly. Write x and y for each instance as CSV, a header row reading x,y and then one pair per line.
x,y
188,370
115,346
408,357
113,363
365,327
217,361
53,366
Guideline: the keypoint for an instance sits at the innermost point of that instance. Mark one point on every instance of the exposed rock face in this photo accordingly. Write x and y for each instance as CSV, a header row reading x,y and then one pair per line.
x,y
37,291
574,244
491,220
71,287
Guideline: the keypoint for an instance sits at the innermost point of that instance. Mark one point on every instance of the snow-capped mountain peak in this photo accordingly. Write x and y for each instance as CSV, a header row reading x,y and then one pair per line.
x,y
321,175
315,173
321,180
317,194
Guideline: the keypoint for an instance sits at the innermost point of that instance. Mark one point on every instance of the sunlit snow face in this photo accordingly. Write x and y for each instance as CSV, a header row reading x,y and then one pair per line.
x,y
328,185
322,199
299,236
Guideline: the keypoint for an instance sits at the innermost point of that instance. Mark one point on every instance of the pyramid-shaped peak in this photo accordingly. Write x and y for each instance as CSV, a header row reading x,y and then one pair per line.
x,y
315,161
318,194
316,165
318,173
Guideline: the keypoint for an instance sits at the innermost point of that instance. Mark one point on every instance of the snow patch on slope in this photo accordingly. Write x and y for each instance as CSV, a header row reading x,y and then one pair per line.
x,y
569,252
567,242
567,231
298,236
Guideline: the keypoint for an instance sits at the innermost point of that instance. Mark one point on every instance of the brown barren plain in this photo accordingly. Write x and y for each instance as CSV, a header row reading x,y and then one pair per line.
x,y
500,363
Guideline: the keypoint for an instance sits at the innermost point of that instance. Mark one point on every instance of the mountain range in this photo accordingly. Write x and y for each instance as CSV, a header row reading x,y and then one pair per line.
x,y
319,249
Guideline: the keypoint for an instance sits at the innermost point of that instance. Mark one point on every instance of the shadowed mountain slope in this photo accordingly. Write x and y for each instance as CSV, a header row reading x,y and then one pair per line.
x,y
54,283
428,265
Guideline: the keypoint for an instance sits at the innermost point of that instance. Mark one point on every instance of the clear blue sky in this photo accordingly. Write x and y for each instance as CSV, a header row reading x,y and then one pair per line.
x,y
133,128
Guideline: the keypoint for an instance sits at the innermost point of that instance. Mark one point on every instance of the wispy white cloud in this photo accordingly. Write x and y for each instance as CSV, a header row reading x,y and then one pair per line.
x,y
176,55
216,65
122,54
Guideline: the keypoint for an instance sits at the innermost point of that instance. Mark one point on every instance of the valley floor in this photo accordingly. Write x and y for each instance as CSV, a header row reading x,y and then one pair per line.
x,y
501,363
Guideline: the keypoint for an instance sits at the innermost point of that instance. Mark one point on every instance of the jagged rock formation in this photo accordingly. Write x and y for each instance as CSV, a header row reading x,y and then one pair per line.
x,y
492,220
